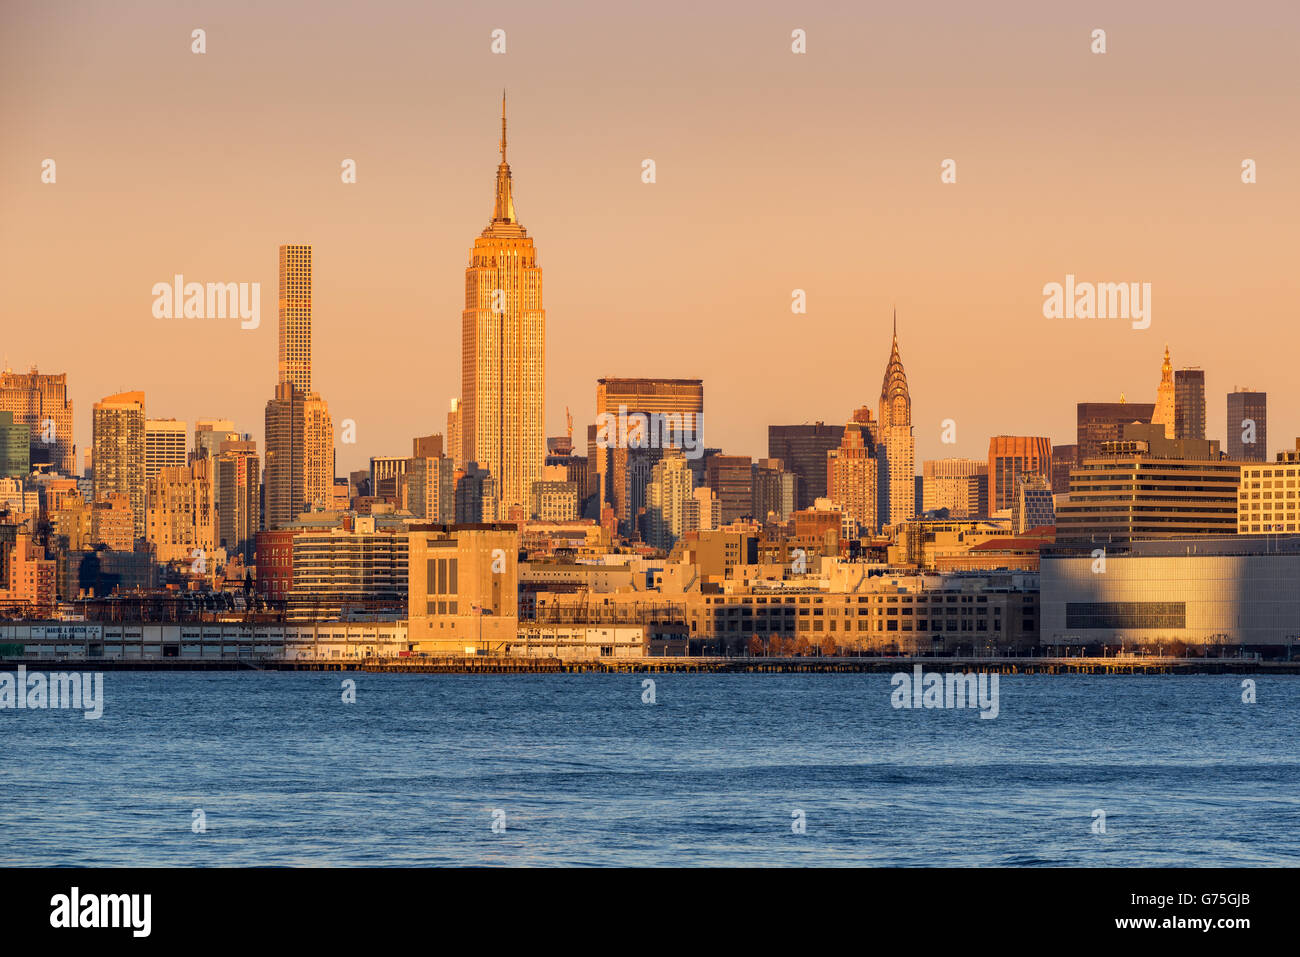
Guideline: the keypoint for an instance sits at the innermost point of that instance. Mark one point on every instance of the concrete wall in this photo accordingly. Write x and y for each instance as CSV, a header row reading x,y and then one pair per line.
x,y
1231,599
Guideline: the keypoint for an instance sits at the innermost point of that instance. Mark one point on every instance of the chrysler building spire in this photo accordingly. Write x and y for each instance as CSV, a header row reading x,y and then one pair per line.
x,y
897,449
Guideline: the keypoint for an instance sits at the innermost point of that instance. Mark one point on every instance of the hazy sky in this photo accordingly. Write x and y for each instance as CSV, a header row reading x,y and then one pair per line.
x,y
775,171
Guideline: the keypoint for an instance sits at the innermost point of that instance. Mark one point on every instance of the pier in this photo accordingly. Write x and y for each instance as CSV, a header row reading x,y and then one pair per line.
x,y
486,665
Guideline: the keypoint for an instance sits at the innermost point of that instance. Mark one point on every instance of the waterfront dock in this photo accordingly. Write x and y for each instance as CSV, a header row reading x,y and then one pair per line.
x,y
486,665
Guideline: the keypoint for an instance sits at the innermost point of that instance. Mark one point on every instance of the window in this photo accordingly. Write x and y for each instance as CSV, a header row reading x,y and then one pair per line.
x,y
1126,614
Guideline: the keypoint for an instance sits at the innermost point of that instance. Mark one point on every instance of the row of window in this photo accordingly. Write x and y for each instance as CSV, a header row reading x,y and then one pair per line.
x,y
1126,614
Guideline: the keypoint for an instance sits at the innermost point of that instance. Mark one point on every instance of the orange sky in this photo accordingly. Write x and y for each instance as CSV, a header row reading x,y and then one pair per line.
x,y
775,172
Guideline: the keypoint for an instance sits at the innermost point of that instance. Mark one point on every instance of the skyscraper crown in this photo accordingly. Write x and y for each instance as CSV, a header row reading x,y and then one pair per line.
x,y
895,401
504,222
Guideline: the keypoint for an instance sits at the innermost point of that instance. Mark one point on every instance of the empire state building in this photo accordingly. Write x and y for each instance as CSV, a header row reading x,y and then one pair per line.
x,y
503,352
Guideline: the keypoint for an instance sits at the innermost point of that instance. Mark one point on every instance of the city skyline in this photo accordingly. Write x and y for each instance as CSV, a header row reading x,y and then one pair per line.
x,y
965,262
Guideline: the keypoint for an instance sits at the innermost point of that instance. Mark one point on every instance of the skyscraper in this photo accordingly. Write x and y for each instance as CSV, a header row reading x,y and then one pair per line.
x,y
15,447
209,434
181,515
454,434
852,476
238,498
164,446
1033,504
117,427
295,316
1247,426
1163,413
41,403
803,449
676,404
503,351
1098,422
670,496
897,494
299,469
1011,456
1189,404
732,479
774,491
959,485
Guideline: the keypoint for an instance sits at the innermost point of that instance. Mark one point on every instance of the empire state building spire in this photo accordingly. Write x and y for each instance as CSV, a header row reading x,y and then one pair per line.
x,y
503,211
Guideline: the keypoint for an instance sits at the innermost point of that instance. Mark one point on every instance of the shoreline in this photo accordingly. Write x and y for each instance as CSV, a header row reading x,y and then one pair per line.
x,y
681,665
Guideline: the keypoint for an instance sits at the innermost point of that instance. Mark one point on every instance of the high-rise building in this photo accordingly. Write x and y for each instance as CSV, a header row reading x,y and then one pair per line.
x,y
299,455
475,493
1011,456
112,522
238,498
1267,500
1033,507
384,471
732,479
628,479
897,452
1163,410
427,447
28,586
15,447
1189,404
117,425
359,563
1098,422
503,349
705,511
70,520
1064,458
671,507
299,471
555,501
674,418
181,521
1146,486
1247,426
431,488
209,434
164,446
774,491
853,477
41,403
318,453
566,467
295,316
803,449
957,484
454,434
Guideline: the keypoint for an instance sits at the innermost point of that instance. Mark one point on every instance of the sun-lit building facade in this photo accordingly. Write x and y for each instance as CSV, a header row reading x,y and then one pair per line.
x,y
503,358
